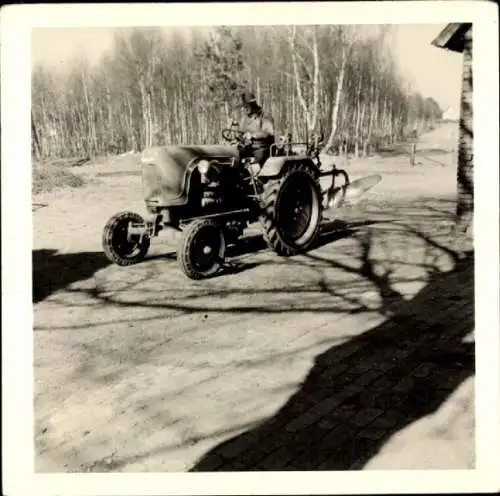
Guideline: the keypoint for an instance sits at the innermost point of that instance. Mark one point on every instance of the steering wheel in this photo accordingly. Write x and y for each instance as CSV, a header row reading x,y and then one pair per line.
x,y
232,135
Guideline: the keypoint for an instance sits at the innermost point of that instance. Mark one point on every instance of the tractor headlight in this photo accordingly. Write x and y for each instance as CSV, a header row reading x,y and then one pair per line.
x,y
203,166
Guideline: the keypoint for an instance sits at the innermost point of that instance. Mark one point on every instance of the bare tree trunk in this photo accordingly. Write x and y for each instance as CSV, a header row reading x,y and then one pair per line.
x,y
294,118
146,113
166,120
226,111
144,133
312,124
35,138
373,106
391,123
110,124
131,128
359,121
91,140
359,117
465,166
310,111
338,97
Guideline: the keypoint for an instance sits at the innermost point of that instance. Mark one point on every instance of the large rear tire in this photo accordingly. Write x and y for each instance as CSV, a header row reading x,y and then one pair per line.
x,y
201,250
120,248
291,211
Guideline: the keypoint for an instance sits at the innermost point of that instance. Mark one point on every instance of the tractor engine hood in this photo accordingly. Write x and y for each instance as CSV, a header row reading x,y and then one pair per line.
x,y
166,170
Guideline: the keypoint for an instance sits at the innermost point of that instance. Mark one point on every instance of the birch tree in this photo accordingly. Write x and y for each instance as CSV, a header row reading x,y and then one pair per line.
x,y
342,34
155,87
306,71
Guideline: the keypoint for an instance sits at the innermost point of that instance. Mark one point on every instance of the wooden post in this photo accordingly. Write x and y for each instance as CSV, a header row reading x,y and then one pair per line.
x,y
412,150
412,146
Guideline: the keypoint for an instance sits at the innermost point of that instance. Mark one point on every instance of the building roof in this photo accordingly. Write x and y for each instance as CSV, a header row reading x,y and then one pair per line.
x,y
452,36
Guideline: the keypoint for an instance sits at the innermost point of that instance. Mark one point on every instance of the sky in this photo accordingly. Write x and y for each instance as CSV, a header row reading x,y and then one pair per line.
x,y
432,71
435,72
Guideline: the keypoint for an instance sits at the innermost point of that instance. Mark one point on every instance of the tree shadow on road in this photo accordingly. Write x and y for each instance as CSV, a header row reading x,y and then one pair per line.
x,y
53,271
358,394
330,231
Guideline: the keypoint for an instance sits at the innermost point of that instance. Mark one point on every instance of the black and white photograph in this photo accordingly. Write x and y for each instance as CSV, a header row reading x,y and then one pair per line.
x,y
252,245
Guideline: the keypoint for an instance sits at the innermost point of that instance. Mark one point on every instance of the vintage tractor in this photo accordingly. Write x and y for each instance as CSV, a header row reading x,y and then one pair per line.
x,y
212,195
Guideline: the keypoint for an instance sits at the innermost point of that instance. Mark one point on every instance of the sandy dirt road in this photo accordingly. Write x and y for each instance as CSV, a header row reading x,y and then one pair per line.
x,y
141,369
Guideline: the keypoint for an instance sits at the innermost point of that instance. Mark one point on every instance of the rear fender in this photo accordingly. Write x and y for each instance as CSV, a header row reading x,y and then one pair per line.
x,y
275,166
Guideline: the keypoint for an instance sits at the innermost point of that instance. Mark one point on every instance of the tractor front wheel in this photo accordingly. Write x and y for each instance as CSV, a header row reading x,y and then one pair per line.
x,y
119,246
201,250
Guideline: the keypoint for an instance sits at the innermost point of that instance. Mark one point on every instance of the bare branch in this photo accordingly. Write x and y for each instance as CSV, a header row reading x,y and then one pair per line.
x,y
306,43
291,76
304,65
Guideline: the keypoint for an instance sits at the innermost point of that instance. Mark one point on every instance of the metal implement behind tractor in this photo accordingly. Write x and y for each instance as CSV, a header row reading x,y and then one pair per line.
x,y
211,194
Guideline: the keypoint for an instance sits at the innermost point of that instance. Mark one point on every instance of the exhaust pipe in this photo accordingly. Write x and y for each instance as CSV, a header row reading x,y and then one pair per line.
x,y
351,191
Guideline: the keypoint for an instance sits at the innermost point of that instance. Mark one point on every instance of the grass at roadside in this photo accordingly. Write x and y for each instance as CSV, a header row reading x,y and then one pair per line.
x,y
47,177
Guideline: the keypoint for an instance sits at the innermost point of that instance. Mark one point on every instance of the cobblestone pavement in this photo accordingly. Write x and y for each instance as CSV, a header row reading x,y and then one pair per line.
x,y
376,401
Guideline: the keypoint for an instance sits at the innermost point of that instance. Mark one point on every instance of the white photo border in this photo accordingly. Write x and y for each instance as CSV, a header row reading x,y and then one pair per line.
x,y
17,341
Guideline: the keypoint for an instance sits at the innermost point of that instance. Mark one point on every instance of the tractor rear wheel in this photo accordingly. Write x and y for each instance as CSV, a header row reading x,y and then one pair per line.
x,y
120,247
201,250
291,211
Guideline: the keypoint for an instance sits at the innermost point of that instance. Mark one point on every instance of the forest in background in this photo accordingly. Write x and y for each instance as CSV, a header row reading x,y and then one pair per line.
x,y
183,86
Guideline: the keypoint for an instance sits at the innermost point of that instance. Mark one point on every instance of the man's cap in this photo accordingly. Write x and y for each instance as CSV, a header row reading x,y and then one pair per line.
x,y
248,97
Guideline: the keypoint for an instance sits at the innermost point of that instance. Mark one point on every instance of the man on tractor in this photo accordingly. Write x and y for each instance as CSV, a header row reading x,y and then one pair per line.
x,y
257,127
